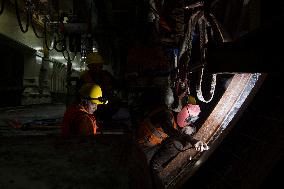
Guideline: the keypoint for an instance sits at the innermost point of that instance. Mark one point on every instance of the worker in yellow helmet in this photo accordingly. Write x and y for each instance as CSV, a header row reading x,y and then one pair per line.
x,y
96,74
108,84
78,118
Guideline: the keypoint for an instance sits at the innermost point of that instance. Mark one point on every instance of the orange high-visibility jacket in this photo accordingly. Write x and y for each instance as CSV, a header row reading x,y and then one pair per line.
x,y
150,132
77,122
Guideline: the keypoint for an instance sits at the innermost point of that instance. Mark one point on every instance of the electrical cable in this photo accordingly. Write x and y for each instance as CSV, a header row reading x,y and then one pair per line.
x,y
51,46
2,7
34,29
68,56
63,46
19,19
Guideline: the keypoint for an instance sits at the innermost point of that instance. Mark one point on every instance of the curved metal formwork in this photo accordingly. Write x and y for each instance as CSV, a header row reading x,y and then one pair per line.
x,y
229,108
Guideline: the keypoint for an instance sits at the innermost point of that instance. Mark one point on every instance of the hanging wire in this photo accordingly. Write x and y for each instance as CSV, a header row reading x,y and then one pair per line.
x,y
34,29
58,40
63,44
204,35
206,23
198,19
2,7
53,43
51,46
33,12
199,87
83,52
181,82
68,56
187,43
19,17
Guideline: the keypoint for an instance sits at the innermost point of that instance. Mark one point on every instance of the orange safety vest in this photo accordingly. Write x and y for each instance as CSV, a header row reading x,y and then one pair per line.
x,y
78,122
148,134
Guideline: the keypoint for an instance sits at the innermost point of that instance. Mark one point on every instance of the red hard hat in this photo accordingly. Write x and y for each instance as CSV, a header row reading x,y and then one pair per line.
x,y
186,112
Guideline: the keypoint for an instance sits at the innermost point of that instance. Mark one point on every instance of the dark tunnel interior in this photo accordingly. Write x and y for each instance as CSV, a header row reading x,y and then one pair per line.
x,y
222,57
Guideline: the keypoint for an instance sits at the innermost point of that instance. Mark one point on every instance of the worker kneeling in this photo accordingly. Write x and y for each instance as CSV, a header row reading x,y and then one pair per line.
x,y
180,141
161,139
79,119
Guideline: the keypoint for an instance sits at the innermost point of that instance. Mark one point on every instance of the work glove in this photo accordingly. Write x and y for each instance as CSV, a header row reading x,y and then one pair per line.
x,y
201,146
189,130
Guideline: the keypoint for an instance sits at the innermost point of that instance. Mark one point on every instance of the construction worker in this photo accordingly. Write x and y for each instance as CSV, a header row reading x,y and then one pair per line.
x,y
181,140
96,74
108,84
79,119
164,133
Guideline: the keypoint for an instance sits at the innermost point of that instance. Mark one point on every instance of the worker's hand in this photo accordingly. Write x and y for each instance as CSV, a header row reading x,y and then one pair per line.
x,y
201,146
189,130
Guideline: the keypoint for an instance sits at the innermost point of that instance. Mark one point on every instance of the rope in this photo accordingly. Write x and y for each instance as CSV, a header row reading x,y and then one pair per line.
x,y
203,23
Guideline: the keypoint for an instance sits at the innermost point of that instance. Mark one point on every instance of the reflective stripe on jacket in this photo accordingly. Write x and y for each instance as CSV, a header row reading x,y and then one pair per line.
x,y
150,134
78,122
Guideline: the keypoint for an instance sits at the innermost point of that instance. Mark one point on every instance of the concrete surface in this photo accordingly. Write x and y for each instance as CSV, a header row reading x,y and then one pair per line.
x,y
44,114
38,158
44,162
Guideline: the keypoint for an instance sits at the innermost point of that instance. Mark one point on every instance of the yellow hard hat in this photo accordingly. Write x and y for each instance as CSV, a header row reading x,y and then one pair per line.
x,y
94,58
191,100
92,92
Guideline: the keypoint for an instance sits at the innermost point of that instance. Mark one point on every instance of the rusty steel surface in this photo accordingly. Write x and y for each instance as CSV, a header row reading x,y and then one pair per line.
x,y
223,107
229,104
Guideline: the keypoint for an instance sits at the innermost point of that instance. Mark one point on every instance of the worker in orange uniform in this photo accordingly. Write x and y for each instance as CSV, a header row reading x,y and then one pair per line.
x,y
179,141
108,84
164,121
164,133
96,74
78,118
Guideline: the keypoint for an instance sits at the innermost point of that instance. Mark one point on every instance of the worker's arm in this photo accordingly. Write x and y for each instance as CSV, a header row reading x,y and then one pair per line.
x,y
164,119
182,140
87,125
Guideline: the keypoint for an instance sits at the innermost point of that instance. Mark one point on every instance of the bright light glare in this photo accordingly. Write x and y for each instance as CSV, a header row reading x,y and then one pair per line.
x,y
38,48
57,57
38,60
